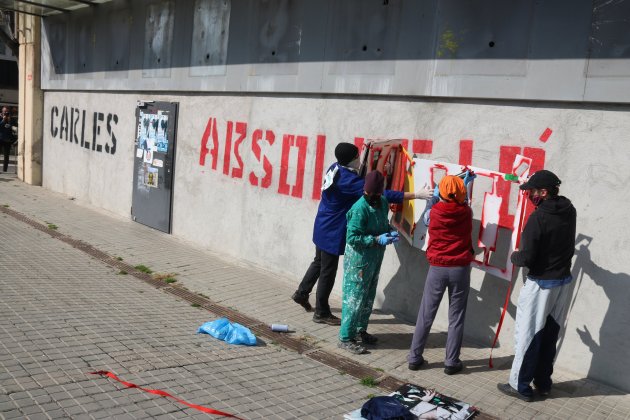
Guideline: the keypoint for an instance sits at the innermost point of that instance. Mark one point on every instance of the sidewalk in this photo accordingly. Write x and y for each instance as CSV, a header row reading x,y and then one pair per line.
x,y
254,293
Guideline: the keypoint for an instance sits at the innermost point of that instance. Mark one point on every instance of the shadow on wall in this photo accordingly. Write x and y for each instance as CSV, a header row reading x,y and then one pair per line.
x,y
485,305
610,357
404,291
484,310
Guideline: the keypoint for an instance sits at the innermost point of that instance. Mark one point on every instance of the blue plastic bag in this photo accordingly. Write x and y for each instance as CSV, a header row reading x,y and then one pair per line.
x,y
217,328
232,333
239,334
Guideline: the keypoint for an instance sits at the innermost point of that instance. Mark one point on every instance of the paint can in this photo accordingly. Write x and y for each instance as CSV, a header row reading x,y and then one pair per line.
x,y
279,327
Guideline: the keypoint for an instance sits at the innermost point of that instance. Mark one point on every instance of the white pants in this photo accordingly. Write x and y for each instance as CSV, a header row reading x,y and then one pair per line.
x,y
539,315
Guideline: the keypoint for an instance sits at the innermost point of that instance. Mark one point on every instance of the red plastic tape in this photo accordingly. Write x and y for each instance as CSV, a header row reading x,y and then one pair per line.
x,y
164,394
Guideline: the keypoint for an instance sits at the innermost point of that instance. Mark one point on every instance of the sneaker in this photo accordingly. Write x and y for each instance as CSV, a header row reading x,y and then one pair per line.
x,y
452,370
302,301
543,392
351,346
416,365
326,319
508,390
367,338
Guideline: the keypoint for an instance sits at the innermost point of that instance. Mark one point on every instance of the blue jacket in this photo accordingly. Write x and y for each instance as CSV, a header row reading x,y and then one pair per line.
x,y
329,233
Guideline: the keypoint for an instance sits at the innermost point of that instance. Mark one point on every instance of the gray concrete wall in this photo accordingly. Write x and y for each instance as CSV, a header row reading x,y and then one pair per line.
x,y
245,203
529,49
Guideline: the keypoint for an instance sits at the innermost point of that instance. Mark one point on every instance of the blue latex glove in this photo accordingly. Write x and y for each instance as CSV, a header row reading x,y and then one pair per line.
x,y
395,237
388,238
469,177
436,192
383,239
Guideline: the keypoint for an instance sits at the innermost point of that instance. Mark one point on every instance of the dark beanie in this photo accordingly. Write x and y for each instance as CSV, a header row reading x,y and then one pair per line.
x,y
345,153
374,183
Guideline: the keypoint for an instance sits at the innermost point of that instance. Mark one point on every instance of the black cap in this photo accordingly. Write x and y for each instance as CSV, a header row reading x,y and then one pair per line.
x,y
346,152
541,179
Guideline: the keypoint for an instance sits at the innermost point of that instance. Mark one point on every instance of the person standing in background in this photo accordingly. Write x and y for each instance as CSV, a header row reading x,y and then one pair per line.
x,y
7,136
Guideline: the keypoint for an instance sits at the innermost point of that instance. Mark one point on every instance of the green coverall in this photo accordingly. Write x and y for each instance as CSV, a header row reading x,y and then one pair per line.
x,y
361,265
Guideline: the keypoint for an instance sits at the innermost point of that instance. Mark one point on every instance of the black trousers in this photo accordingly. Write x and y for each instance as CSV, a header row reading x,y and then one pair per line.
x,y
324,268
6,149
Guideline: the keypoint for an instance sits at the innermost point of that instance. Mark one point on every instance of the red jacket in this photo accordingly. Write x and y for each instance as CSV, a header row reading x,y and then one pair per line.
x,y
450,235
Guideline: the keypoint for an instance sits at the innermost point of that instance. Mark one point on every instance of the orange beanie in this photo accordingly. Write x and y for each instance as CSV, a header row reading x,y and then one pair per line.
x,y
452,188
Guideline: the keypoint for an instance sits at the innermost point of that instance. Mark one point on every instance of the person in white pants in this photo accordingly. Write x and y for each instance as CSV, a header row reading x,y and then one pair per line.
x,y
547,246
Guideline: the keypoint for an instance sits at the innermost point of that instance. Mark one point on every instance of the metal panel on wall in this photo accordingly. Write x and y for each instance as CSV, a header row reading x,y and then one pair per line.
x,y
153,164
275,37
117,64
470,35
531,49
211,29
158,39
357,48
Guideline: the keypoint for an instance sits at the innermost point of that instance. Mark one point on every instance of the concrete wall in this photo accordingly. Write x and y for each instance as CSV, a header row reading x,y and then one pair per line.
x,y
262,210
526,49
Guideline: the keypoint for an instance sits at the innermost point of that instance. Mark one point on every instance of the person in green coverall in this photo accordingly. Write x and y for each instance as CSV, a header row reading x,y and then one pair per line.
x,y
367,235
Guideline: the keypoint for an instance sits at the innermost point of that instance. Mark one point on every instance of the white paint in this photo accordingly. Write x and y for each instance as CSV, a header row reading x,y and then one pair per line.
x,y
262,227
490,220
428,172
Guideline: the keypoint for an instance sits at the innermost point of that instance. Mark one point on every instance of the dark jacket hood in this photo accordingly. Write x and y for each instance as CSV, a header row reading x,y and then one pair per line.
x,y
556,205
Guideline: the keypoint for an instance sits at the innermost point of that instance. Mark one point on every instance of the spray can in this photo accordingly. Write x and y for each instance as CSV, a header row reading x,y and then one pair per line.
x,y
279,327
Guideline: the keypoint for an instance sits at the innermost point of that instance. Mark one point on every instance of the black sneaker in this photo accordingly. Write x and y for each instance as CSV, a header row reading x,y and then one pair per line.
x,y
302,301
416,365
452,370
367,338
326,319
543,392
351,346
508,390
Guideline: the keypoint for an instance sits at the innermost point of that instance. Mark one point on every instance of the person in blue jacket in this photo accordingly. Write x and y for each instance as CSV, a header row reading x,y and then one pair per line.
x,y
341,188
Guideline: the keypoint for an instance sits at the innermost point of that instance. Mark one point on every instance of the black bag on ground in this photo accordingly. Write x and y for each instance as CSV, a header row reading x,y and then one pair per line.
x,y
385,408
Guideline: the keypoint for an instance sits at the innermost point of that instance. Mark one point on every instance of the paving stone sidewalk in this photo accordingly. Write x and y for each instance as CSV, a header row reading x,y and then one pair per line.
x,y
77,296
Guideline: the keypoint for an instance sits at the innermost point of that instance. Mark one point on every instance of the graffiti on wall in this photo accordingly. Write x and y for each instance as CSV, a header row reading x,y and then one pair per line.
x,y
224,144
488,203
93,131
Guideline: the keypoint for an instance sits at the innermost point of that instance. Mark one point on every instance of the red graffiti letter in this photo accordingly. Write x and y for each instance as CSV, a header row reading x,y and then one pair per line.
x,y
211,129
228,148
256,137
319,167
241,130
422,146
465,152
506,160
538,162
358,141
288,141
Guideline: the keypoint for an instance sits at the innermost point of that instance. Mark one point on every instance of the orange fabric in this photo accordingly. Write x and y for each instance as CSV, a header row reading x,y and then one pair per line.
x,y
452,188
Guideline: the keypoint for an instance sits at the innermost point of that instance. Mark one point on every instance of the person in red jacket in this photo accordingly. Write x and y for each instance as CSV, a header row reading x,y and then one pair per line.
x,y
449,253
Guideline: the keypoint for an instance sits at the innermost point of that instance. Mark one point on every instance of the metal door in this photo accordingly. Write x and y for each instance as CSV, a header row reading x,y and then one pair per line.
x,y
153,164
